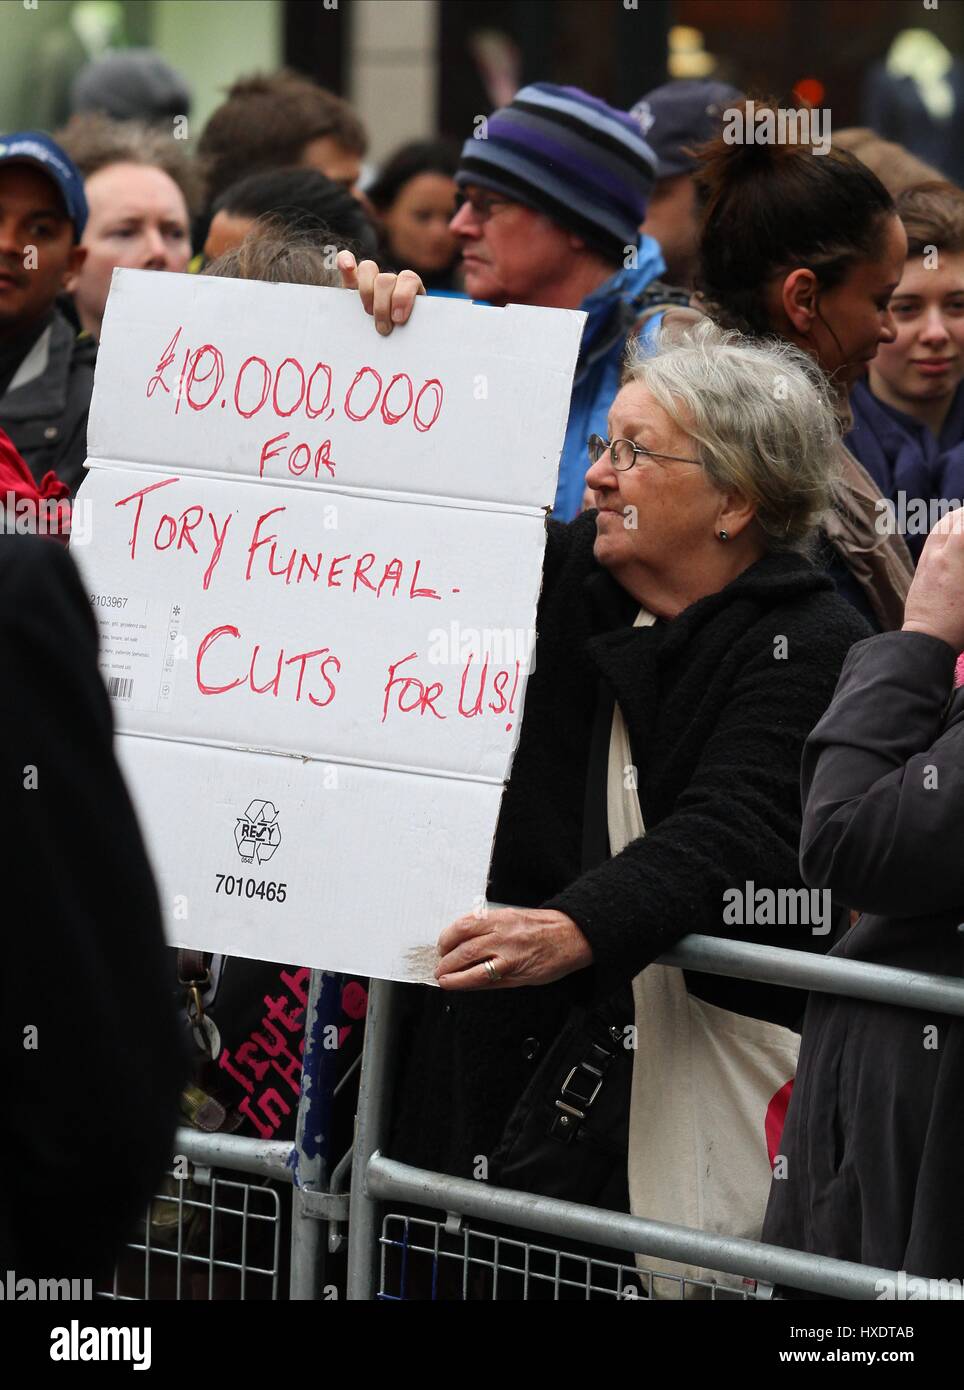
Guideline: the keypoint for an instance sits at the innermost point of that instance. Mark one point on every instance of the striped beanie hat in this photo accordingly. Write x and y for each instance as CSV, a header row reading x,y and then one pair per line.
x,y
568,155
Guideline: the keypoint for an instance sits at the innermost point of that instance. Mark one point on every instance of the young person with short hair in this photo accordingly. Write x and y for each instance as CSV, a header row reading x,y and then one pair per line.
x,y
908,429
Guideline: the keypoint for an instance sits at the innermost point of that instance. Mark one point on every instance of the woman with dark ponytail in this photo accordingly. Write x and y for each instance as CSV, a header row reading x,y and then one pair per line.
x,y
808,247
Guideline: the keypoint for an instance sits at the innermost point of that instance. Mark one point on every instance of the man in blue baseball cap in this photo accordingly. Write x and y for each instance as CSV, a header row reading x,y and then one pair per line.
x,y
675,119
46,372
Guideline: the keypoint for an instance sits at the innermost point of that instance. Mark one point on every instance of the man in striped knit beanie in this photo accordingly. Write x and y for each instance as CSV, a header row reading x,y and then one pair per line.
x,y
555,186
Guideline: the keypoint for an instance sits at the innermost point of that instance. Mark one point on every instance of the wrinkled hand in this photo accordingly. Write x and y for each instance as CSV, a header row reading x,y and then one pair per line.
x,y
935,603
389,298
525,947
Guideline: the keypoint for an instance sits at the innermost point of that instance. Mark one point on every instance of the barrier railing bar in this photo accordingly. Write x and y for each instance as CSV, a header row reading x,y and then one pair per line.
x,y
341,1170
745,960
374,1092
266,1157
389,1180
308,1158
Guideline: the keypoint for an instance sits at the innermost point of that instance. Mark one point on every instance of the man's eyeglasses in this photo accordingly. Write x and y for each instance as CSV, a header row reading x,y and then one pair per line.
x,y
483,205
624,453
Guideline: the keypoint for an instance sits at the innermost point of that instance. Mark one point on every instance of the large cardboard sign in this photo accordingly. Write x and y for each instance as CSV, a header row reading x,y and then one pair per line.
x,y
315,560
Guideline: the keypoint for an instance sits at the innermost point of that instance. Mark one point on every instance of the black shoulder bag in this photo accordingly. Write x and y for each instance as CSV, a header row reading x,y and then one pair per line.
x,y
568,1135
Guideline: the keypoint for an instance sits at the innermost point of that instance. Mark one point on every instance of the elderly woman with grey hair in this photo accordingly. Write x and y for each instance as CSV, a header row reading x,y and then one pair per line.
x,y
686,647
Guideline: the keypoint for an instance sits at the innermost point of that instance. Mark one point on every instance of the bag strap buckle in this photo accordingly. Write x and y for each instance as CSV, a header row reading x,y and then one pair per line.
x,y
585,1091
582,1085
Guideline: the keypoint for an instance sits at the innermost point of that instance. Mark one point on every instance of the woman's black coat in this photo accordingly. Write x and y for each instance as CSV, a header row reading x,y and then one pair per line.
x,y
718,703
875,1128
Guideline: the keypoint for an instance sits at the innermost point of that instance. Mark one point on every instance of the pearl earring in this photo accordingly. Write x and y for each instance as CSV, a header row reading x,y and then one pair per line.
x,y
724,535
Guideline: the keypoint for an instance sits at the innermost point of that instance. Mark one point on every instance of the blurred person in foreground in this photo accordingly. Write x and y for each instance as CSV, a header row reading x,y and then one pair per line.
x,y
875,1126
908,412
809,248
553,198
46,371
141,192
304,203
675,119
91,1057
414,198
660,620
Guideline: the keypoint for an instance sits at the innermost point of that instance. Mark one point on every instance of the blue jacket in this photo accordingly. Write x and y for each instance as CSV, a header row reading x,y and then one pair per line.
x,y
902,456
613,309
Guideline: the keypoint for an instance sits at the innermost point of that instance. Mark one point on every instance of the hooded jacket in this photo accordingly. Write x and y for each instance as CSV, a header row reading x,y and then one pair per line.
x,y
44,408
875,1126
718,703
615,312
904,457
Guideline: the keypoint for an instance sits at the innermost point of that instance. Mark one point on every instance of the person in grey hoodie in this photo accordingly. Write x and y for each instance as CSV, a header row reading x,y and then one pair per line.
x,y
875,1126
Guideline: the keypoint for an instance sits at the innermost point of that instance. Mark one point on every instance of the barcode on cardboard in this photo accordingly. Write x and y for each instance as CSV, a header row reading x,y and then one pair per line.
x,y
120,687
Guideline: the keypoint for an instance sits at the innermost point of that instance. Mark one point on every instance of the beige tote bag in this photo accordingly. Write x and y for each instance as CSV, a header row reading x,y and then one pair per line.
x,y
707,1085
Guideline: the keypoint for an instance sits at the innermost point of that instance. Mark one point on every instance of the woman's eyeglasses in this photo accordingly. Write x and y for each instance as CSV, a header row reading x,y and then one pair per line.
x,y
624,453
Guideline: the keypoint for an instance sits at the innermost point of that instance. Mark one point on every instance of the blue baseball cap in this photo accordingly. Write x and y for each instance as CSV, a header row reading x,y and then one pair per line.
x,y
681,114
33,147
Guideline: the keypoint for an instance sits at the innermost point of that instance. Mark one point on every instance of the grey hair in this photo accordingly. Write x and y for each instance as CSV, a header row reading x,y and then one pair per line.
x,y
762,417
278,255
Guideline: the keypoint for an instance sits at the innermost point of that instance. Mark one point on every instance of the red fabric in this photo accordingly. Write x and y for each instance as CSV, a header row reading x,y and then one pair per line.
x,y
959,671
16,479
775,1116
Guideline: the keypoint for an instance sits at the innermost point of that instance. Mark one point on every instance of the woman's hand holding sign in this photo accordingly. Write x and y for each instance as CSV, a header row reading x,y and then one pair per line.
x,y
509,947
387,297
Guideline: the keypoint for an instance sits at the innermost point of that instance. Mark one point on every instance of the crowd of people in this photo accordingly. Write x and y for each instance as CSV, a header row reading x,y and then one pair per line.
x,y
768,388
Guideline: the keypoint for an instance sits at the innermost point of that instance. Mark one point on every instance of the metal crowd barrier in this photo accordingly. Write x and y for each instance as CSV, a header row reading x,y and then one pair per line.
x,y
379,1179
442,1253
206,1235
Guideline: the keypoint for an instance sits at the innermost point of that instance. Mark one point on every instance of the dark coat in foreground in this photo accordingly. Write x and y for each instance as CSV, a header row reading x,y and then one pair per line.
x,y
875,1129
91,1056
718,704
44,408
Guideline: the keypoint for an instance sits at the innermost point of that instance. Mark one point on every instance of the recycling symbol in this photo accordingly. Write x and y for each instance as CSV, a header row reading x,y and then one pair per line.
x,y
257,833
